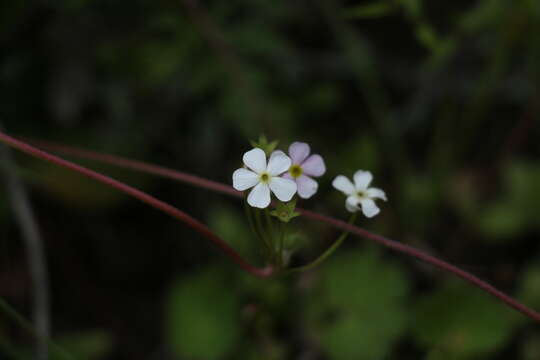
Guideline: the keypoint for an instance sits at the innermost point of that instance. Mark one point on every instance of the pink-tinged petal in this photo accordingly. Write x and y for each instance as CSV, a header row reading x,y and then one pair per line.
x,y
307,187
298,151
362,179
351,203
375,193
343,184
314,166
284,189
369,208
255,159
287,175
278,163
259,197
244,179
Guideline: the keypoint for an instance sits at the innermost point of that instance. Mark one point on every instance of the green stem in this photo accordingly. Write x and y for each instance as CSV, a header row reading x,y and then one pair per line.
x,y
270,232
249,216
328,252
254,229
263,234
281,241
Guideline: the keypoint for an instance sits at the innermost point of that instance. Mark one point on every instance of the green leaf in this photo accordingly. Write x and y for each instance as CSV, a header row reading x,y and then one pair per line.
x,y
284,211
462,321
203,316
360,311
263,144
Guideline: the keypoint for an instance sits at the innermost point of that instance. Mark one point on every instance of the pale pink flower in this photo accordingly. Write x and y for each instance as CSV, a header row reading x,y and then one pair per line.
x,y
303,168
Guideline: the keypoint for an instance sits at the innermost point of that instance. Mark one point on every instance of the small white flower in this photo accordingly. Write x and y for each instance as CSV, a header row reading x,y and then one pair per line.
x,y
360,195
264,178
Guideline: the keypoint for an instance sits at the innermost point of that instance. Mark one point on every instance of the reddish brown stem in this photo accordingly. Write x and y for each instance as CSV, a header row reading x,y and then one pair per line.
x,y
420,255
145,198
137,165
225,189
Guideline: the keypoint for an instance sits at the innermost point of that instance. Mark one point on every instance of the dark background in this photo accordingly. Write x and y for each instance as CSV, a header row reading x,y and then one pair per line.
x,y
438,99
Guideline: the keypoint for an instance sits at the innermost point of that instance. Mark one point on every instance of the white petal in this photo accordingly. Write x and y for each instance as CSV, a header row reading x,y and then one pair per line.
x,y
375,193
244,179
351,203
307,187
362,179
259,197
343,184
255,159
284,189
278,163
369,208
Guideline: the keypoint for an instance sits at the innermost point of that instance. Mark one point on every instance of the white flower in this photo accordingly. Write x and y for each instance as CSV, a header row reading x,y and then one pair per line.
x,y
263,178
360,195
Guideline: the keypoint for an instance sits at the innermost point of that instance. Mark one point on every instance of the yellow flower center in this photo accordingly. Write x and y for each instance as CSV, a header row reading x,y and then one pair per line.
x,y
264,177
295,171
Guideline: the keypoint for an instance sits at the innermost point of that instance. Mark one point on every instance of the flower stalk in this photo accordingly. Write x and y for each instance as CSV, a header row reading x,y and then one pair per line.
x,y
328,251
262,234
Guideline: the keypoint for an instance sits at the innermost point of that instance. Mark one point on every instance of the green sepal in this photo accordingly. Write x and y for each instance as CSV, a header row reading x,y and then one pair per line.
x,y
284,211
262,143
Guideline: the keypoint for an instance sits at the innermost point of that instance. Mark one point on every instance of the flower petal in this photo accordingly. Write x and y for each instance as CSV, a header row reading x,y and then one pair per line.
x,y
307,187
255,159
284,189
343,184
287,175
369,208
298,151
362,179
314,165
376,193
351,203
278,163
244,179
259,197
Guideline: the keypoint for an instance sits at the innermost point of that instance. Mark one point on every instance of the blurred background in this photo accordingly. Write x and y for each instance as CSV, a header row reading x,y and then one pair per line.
x,y
439,99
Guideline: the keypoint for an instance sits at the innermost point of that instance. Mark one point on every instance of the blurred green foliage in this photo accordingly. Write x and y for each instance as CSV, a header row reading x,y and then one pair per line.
x,y
87,345
438,99
359,311
518,206
203,316
462,323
